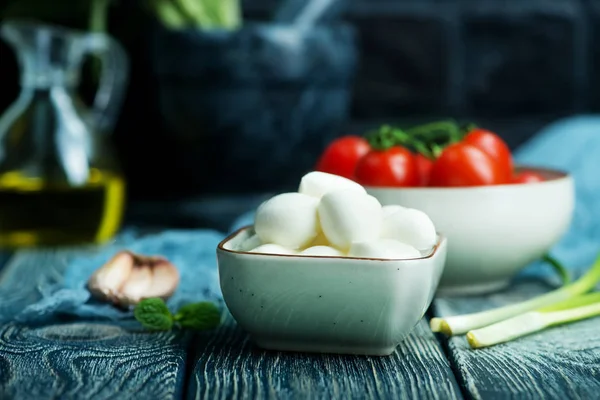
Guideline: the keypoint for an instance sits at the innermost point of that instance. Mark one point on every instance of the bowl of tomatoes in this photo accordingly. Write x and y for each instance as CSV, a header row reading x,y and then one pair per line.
x,y
498,217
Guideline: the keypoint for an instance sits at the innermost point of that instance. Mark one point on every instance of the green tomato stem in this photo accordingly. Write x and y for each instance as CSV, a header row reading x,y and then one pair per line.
x,y
386,137
428,139
422,149
430,129
436,151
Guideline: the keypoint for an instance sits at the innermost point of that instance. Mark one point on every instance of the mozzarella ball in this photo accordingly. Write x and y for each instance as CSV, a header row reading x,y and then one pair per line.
x,y
250,243
272,249
321,251
389,210
317,184
349,216
410,226
384,249
288,219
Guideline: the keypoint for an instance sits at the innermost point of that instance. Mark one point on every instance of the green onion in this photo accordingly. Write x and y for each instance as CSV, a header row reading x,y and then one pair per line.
x,y
169,14
558,268
571,310
205,14
198,13
461,324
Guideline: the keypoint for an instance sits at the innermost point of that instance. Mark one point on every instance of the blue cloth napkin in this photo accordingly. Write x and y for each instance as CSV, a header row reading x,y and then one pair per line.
x,y
572,144
192,251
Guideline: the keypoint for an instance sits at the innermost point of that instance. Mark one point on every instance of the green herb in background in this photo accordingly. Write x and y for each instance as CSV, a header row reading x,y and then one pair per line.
x,y
154,315
92,14
203,14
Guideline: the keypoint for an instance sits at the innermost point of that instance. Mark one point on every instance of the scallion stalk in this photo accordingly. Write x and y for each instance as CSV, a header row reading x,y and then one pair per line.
x,y
169,14
198,12
203,14
461,324
571,310
558,268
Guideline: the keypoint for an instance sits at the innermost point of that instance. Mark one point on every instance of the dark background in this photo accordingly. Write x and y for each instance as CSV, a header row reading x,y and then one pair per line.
x,y
512,65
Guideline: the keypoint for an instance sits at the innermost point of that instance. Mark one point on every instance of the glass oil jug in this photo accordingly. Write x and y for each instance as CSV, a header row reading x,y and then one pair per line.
x,y
59,179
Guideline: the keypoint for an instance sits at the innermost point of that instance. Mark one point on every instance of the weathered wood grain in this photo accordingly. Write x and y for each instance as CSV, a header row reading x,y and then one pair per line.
x,y
89,361
559,363
80,360
229,366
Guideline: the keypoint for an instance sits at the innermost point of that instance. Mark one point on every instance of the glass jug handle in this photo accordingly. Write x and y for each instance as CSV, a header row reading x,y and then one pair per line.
x,y
113,80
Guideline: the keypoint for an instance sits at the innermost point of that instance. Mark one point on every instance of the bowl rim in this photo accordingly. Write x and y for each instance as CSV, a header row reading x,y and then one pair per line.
x,y
221,247
552,175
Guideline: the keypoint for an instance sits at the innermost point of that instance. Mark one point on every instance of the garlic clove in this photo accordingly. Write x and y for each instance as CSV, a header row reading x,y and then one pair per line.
x,y
106,281
165,279
136,285
127,278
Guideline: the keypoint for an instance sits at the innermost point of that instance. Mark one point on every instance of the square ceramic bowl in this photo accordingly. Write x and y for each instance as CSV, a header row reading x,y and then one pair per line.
x,y
493,231
326,304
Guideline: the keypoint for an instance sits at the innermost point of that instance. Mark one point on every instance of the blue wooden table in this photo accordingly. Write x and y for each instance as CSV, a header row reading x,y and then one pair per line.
x,y
88,360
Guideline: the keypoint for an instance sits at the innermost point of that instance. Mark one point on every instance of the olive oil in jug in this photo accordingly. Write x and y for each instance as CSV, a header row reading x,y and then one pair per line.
x,y
33,212
59,180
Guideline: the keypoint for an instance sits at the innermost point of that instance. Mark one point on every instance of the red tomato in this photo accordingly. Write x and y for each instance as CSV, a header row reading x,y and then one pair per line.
x,y
495,147
424,166
341,156
462,164
528,177
395,166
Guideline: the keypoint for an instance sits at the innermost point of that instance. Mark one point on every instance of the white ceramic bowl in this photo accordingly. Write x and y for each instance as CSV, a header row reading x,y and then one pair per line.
x,y
493,231
326,304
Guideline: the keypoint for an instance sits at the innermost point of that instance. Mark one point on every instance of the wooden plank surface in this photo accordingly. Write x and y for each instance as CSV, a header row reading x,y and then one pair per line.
x,y
558,363
229,366
80,360
89,361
